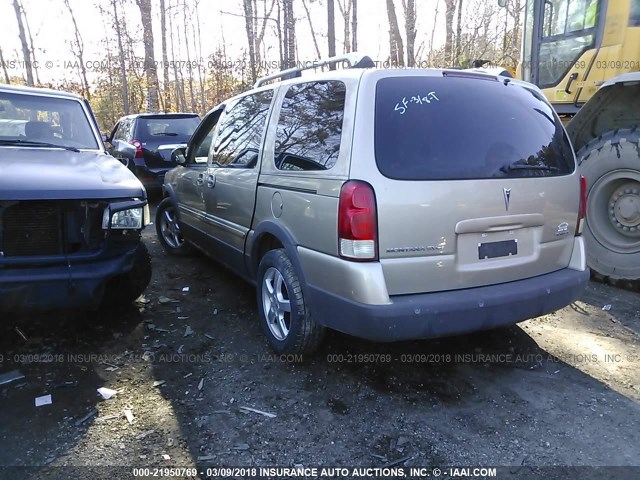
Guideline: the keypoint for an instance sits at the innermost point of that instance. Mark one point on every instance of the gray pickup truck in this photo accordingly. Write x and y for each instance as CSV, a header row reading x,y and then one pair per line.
x,y
71,215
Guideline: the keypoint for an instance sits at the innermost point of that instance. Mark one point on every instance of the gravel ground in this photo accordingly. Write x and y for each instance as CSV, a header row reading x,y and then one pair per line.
x,y
559,390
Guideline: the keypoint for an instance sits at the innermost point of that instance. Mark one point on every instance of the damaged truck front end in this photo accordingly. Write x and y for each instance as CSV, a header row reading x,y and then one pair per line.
x,y
71,215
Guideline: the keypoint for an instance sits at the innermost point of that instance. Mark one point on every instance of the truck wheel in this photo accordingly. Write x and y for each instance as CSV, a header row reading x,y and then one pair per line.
x,y
284,317
168,230
124,289
611,164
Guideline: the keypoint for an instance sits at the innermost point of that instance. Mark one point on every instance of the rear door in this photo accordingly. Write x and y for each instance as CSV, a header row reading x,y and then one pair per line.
x,y
474,178
232,177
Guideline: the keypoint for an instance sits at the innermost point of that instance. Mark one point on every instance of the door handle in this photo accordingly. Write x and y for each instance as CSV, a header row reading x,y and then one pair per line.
x,y
200,179
572,77
211,181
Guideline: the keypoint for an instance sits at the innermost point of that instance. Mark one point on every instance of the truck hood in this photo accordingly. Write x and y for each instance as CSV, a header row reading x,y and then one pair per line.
x,y
44,173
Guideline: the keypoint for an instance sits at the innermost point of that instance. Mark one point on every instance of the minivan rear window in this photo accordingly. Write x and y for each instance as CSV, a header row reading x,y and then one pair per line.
x,y
445,128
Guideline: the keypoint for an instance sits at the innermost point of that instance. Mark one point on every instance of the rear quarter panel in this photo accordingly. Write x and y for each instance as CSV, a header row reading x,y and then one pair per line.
x,y
305,203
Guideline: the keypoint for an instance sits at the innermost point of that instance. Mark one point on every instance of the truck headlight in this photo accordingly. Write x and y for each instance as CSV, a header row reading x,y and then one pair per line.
x,y
130,219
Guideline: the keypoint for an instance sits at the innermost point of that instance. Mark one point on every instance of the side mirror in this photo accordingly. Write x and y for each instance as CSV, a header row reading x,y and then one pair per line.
x,y
502,3
179,156
122,149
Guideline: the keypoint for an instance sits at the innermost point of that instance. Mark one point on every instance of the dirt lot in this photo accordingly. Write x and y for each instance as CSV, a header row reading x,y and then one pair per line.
x,y
560,390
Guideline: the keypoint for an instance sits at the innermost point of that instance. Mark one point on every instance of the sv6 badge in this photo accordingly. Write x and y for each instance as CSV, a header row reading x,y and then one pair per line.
x,y
563,229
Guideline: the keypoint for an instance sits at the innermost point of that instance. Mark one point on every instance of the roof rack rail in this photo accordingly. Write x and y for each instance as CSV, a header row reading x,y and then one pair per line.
x,y
354,59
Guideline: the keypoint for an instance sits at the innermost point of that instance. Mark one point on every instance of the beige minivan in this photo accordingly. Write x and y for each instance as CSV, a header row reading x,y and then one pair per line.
x,y
386,204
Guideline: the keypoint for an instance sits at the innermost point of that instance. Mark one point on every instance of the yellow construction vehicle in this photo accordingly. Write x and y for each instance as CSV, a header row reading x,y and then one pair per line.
x,y
585,56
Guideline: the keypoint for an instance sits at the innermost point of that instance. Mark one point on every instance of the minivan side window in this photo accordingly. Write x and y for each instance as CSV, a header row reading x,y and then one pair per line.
x,y
241,129
202,149
310,126
200,142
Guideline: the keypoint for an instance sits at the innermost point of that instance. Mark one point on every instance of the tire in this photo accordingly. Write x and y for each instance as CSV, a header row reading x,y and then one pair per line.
x,y
168,230
284,317
123,289
611,164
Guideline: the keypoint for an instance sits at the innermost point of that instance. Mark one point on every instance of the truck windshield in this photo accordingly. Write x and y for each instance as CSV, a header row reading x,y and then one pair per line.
x,y
634,15
568,29
37,120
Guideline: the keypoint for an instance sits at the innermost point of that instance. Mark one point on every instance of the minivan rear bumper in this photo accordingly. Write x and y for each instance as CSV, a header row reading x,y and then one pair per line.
x,y
440,314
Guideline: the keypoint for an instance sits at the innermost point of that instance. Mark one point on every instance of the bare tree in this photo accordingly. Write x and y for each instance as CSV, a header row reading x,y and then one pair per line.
x,y
255,26
23,40
284,32
165,58
193,54
331,29
149,59
313,32
290,33
280,33
266,15
458,34
107,107
512,40
31,47
78,52
448,42
138,88
433,32
483,36
179,94
186,43
354,26
198,36
4,68
123,69
251,36
345,10
396,45
409,7
181,82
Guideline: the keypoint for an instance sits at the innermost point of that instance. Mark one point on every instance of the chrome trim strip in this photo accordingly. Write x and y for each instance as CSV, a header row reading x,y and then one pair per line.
x,y
230,227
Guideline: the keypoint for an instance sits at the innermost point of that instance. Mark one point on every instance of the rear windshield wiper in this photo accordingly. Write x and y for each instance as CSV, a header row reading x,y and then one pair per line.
x,y
32,143
547,168
165,134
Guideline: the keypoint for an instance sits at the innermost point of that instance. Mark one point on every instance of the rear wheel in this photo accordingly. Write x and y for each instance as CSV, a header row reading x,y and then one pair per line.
x,y
284,317
611,164
168,230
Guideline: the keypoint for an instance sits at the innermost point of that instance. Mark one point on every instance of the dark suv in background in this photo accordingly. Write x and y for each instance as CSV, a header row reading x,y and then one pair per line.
x,y
154,135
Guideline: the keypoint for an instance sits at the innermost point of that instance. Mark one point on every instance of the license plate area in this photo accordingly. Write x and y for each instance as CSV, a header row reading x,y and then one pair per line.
x,y
504,248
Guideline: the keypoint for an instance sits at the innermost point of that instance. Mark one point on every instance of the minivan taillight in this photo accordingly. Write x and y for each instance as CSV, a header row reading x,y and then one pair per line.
x,y
357,222
138,145
582,209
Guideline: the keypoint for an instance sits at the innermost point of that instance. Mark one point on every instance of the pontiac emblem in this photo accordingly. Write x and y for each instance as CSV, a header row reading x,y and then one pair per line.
x,y
507,197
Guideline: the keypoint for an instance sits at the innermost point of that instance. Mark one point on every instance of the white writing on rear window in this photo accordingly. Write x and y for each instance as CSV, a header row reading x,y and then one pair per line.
x,y
403,104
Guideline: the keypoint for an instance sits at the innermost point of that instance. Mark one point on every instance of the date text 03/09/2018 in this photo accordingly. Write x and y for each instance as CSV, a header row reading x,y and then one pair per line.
x,y
347,472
